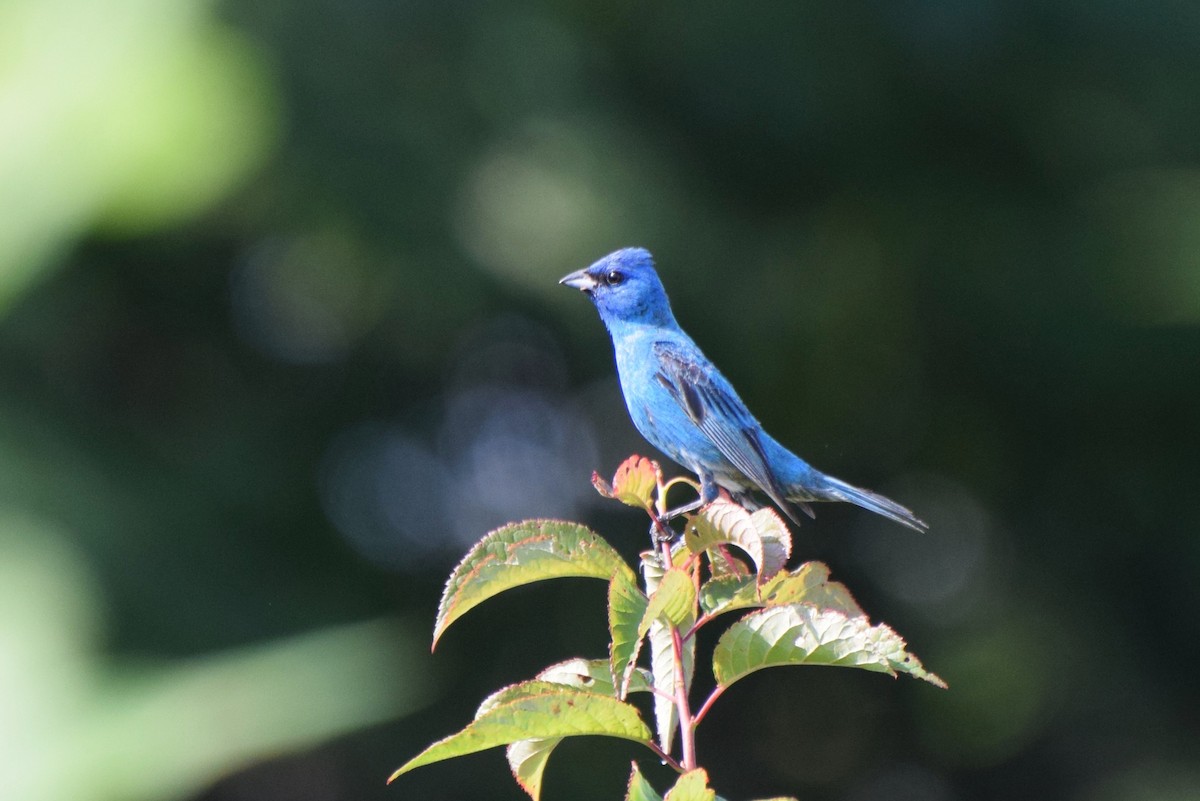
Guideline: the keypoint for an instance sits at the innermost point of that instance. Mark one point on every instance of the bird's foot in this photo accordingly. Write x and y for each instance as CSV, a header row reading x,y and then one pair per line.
x,y
661,531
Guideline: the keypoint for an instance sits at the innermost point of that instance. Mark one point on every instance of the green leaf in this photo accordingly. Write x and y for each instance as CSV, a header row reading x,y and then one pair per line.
x,y
691,786
652,565
727,593
634,483
674,601
662,671
639,789
662,656
802,634
592,674
626,609
762,535
527,758
536,710
522,553
808,583
671,607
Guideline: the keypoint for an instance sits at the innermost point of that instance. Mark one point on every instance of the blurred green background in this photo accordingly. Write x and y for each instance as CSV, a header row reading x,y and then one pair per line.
x,y
280,336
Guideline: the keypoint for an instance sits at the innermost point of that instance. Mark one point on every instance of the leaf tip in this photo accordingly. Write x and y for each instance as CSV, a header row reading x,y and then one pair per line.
x,y
602,486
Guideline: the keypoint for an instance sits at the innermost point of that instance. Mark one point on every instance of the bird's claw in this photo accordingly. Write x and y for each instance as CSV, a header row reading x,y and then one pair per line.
x,y
661,531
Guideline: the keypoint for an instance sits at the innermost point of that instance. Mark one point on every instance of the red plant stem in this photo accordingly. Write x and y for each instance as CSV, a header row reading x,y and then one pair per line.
x,y
716,693
700,621
687,731
668,562
664,756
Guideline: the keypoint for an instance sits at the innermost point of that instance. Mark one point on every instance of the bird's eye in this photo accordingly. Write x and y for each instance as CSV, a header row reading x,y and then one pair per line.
x,y
614,277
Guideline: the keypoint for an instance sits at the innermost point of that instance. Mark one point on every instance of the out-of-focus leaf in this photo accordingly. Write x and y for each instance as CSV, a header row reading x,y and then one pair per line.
x,y
626,610
802,634
522,553
633,484
762,535
691,786
639,789
536,710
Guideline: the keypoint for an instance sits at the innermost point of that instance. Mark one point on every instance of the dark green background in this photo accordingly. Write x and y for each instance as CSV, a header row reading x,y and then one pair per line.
x,y
948,251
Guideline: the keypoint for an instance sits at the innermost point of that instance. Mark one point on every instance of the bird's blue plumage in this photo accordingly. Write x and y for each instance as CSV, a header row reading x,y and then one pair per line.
x,y
684,407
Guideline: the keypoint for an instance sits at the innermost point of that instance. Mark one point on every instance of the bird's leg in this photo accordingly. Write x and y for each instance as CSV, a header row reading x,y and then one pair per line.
x,y
660,528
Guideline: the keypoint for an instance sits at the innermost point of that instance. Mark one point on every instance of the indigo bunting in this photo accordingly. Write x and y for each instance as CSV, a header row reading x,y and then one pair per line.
x,y
683,406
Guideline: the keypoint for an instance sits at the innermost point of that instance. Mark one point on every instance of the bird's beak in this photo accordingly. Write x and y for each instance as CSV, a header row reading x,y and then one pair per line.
x,y
580,280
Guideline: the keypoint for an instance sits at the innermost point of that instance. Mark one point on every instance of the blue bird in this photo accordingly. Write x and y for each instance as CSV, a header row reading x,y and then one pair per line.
x,y
683,406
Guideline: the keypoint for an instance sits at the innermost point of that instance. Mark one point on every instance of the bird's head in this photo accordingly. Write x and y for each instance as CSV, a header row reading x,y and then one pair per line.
x,y
625,288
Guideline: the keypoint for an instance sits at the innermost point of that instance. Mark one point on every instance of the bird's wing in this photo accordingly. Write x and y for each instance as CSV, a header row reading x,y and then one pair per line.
x,y
715,408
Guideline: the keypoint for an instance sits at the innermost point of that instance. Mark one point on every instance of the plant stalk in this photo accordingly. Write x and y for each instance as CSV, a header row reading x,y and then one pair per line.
x,y
687,731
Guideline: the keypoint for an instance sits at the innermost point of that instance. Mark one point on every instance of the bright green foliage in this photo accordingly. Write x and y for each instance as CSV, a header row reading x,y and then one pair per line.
x,y
762,535
797,617
663,661
671,612
668,650
691,786
626,610
639,789
528,758
808,583
803,634
521,553
539,709
674,601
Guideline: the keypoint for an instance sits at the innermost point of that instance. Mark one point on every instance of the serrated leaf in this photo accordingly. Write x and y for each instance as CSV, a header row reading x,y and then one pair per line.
x,y
691,786
536,710
662,673
727,593
808,583
626,609
802,634
635,482
762,535
527,758
776,539
638,788
652,565
723,564
522,553
590,674
674,600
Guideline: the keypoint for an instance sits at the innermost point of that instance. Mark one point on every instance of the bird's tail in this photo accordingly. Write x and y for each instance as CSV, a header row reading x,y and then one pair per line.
x,y
834,489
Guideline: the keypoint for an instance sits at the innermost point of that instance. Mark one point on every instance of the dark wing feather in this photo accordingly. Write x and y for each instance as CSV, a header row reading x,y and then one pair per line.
x,y
716,410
